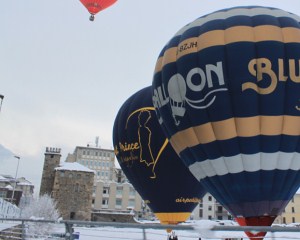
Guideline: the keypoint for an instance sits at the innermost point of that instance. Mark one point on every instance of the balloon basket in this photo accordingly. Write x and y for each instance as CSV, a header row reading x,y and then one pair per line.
x,y
256,221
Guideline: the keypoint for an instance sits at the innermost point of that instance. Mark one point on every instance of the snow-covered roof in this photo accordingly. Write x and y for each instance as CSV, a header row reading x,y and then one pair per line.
x,y
2,178
74,166
25,183
9,187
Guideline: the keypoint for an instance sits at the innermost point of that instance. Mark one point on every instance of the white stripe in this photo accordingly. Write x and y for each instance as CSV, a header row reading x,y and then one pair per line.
x,y
250,12
246,163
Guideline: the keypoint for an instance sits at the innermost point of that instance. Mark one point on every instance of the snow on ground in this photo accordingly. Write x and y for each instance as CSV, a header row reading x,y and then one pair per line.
x,y
202,229
5,225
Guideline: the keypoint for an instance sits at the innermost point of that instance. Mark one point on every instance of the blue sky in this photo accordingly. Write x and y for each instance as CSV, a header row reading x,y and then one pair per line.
x,y
64,78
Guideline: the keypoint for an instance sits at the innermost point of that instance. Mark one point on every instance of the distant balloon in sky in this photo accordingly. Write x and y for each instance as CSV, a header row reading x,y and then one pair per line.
x,y
150,163
95,6
226,89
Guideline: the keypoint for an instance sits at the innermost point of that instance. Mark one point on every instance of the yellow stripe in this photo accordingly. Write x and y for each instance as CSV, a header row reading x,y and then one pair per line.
x,y
137,111
172,218
233,127
228,36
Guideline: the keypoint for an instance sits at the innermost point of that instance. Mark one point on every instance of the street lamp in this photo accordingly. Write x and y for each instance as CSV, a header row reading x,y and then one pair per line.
x,y
1,97
13,193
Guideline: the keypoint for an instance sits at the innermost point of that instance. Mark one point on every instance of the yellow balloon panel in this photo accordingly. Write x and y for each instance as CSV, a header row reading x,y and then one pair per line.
x,y
172,218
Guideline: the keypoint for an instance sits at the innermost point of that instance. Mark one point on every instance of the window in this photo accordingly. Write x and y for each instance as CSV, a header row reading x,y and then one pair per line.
x,y
70,175
105,190
210,198
2,194
220,209
62,174
72,215
283,220
201,213
131,203
293,209
83,152
105,202
209,208
119,202
119,190
293,219
76,187
209,217
131,192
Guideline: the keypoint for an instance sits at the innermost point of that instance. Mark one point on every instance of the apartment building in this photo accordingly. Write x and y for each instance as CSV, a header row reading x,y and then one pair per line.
x,y
291,213
209,208
18,191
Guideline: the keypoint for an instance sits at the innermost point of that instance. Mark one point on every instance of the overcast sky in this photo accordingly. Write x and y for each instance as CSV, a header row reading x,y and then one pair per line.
x,y
64,78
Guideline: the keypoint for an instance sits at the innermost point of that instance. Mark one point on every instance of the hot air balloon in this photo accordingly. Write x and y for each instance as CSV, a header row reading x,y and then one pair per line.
x,y
226,89
150,163
95,6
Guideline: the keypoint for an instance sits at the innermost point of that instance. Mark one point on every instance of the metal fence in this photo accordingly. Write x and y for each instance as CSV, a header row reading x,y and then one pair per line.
x,y
16,228
8,210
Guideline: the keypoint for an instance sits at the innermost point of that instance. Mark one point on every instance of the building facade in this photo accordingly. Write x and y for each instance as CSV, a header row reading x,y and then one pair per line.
x,y
69,184
291,213
209,208
97,159
19,191
72,191
116,196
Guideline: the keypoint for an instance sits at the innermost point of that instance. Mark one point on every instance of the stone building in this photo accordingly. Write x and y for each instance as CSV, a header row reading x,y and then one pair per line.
x,y
52,160
72,190
111,191
70,184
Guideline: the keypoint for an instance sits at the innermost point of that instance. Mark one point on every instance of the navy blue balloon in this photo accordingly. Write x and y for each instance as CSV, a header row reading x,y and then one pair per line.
x,y
150,163
226,89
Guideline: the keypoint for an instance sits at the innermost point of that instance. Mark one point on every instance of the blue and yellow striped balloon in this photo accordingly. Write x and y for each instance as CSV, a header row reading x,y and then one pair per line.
x,y
226,89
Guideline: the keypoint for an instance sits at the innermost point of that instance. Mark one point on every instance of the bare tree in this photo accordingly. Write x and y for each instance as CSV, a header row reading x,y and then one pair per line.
x,y
42,208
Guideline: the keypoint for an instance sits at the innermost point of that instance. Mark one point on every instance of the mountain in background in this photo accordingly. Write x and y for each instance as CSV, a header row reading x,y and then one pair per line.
x,y
5,153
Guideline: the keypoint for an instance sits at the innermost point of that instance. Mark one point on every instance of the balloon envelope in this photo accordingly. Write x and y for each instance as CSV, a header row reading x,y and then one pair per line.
x,y
150,163
226,90
95,6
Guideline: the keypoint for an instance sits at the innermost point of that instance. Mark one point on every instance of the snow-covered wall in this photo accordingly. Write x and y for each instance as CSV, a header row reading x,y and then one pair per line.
x,y
8,210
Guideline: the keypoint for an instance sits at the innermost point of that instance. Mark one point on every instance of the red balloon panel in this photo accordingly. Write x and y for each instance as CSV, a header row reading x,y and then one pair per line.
x,y
95,6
